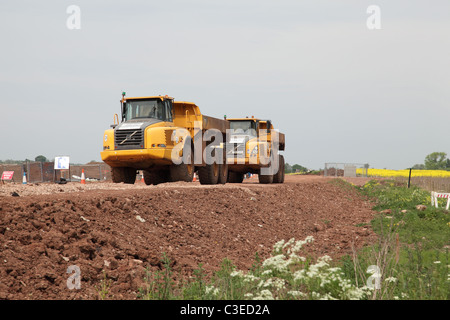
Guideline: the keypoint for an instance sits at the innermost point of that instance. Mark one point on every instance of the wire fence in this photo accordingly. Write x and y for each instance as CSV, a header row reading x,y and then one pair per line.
x,y
335,169
44,172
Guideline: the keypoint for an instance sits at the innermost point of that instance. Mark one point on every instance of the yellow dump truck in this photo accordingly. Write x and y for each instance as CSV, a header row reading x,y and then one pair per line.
x,y
253,147
166,140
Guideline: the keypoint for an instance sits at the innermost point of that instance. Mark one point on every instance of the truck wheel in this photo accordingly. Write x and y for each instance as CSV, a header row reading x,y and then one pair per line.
x,y
155,177
123,174
183,171
209,174
265,178
235,177
279,176
223,173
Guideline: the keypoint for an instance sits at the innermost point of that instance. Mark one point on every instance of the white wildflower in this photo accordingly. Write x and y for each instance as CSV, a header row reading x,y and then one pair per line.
x,y
391,279
278,283
250,278
327,296
278,246
212,290
291,241
277,263
299,275
267,283
266,272
264,295
296,293
261,283
236,273
299,244
366,288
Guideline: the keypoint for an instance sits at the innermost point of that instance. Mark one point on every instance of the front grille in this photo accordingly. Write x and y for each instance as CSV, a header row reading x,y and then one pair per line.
x,y
168,135
129,139
235,150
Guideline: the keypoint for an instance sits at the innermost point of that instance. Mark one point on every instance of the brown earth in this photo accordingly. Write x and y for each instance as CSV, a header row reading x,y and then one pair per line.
x,y
117,231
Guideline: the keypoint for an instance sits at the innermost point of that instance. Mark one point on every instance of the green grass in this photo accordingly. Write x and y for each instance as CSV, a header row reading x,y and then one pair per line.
x,y
413,245
430,228
411,255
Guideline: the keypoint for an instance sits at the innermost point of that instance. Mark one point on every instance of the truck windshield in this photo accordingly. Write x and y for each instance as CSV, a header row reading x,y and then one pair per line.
x,y
244,126
138,109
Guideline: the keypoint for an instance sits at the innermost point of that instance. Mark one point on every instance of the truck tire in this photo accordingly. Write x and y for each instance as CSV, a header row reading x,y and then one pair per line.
x,y
209,174
156,177
123,174
279,176
223,173
235,177
183,171
265,178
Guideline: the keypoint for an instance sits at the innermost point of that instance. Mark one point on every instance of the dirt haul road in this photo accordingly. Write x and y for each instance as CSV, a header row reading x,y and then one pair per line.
x,y
117,231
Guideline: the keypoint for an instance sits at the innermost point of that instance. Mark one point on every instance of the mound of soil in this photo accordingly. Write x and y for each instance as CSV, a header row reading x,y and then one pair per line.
x,y
117,234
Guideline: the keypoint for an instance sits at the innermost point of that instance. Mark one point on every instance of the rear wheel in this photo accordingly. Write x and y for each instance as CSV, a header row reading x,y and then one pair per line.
x,y
279,176
235,177
223,173
266,178
156,177
209,174
123,174
185,170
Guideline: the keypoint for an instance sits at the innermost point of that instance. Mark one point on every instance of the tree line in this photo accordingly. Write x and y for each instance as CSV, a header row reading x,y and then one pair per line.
x,y
434,161
39,158
294,168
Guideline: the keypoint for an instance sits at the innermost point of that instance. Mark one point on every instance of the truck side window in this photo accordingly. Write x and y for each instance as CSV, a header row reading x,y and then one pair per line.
x,y
168,107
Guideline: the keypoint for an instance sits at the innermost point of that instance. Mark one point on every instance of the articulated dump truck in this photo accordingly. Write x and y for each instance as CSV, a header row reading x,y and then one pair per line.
x,y
253,147
168,140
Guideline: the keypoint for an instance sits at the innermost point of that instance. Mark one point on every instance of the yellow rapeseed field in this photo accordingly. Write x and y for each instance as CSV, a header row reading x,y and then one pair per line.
x,y
386,173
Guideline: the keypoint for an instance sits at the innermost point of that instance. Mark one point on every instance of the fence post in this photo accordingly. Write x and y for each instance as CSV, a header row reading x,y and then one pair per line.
x,y
28,171
409,179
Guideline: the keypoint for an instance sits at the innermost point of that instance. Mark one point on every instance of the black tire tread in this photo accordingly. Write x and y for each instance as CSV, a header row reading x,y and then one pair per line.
x,y
235,177
279,176
123,174
206,174
223,173
155,177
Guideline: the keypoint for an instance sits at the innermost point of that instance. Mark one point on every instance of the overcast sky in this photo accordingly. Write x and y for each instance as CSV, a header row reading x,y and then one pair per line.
x,y
338,90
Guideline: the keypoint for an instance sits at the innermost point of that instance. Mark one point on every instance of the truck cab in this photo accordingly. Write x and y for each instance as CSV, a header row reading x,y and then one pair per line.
x,y
252,145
